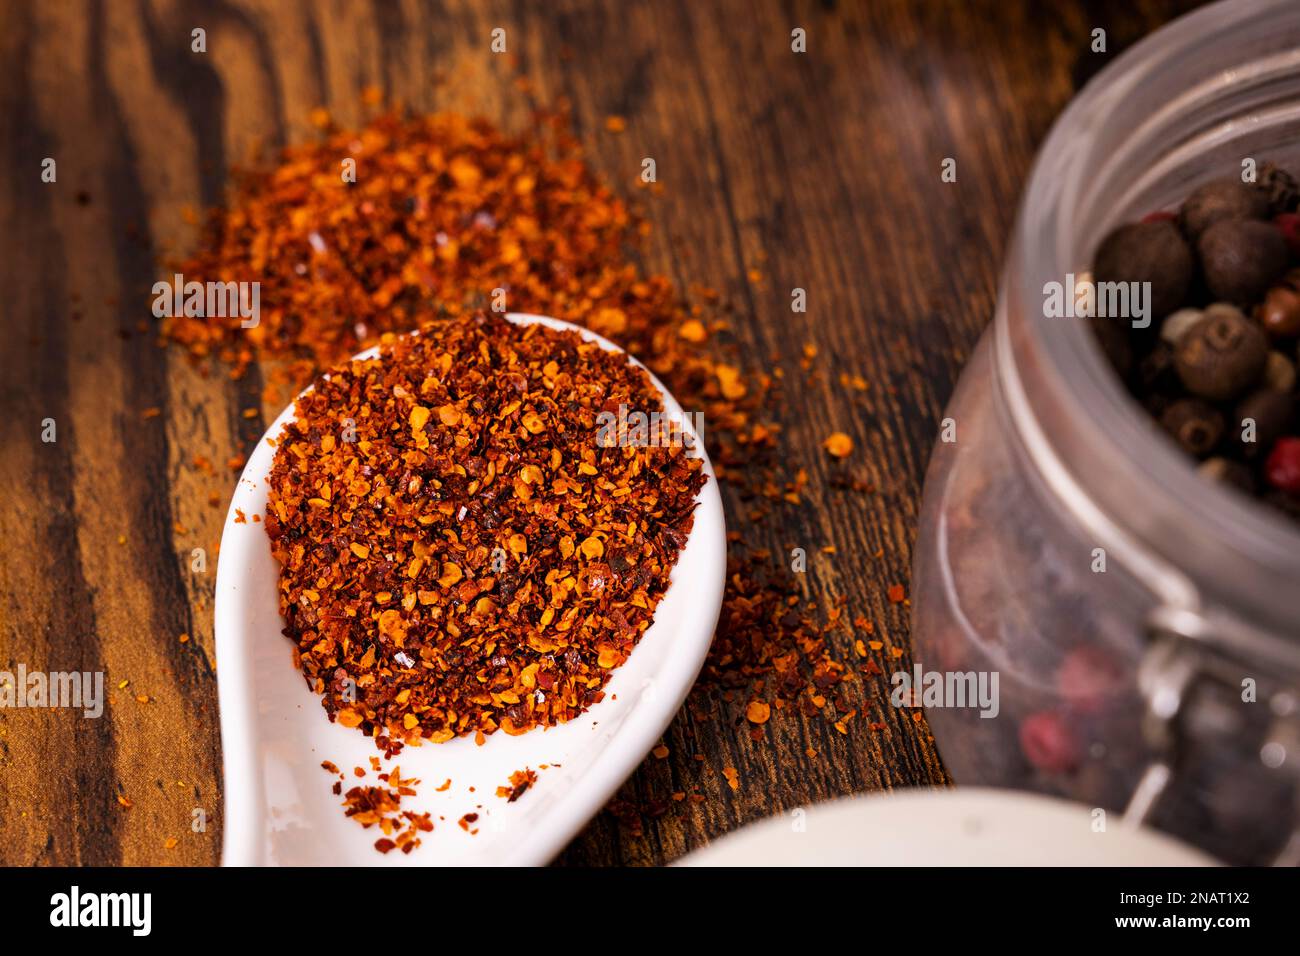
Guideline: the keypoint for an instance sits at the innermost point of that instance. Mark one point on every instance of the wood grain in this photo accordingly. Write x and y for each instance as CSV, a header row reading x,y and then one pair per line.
x,y
820,170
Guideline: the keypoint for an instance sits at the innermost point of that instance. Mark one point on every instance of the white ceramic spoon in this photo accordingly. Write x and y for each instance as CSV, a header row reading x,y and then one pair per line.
x,y
279,808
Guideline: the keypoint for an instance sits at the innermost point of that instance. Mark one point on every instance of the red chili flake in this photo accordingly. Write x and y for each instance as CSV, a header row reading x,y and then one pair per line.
x,y
476,558
381,806
520,781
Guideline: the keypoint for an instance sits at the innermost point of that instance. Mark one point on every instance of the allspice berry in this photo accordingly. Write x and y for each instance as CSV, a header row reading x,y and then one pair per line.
x,y
1240,259
1177,323
1197,426
1155,371
1115,344
1221,356
1279,187
1279,313
1228,472
1279,373
1263,417
1152,252
1220,200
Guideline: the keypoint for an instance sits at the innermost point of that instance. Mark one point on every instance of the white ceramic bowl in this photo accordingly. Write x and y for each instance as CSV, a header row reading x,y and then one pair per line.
x,y
966,826
279,808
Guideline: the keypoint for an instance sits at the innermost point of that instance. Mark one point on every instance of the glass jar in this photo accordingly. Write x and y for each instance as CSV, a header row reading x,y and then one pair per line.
x,y
1143,622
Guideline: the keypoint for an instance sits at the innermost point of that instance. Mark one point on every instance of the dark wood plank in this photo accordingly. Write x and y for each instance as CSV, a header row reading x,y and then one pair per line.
x,y
820,170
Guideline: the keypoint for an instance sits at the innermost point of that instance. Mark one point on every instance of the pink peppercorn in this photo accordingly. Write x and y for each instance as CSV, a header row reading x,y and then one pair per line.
x,y
1283,466
1048,742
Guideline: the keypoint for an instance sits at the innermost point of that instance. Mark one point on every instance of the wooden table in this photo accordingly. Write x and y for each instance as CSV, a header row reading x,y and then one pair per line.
x,y
821,169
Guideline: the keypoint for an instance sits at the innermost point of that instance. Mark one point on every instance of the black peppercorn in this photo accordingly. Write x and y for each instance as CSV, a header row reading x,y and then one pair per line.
x,y
1152,252
1222,355
1197,426
1279,187
1271,413
1241,259
1220,200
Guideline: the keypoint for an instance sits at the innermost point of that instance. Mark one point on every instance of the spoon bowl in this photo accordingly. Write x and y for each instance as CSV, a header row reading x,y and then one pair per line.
x,y
279,806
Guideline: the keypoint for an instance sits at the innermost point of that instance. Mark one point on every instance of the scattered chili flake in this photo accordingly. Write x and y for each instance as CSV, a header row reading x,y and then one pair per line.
x,y
520,781
758,712
838,445
401,575
615,124
240,517
896,594
661,752
733,777
381,806
692,330
170,843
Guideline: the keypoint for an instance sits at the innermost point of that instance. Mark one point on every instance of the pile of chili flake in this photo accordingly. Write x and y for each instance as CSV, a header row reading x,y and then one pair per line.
x,y
462,548
447,209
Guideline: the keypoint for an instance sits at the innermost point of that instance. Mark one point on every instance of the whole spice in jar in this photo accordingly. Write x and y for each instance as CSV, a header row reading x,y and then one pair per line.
x,y
1220,377
461,549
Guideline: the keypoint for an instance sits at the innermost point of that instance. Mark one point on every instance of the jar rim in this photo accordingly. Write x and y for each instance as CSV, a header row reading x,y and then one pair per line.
x,y
1061,357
